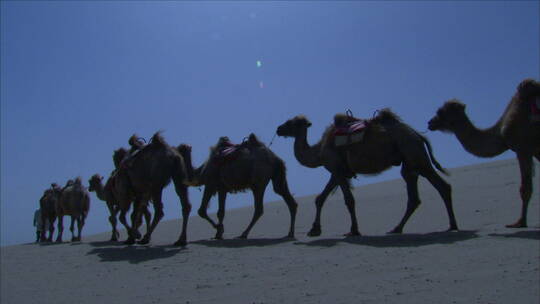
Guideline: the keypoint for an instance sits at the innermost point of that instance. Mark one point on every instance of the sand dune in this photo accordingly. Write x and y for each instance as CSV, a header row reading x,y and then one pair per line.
x,y
483,263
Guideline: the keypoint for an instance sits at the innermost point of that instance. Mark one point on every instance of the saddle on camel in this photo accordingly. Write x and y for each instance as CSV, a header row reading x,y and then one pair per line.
x,y
348,129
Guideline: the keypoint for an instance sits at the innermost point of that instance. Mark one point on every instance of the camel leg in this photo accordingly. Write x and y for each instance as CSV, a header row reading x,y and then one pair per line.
x,y
158,215
413,199
51,229
130,240
445,191
60,228
349,202
525,166
71,228
80,223
281,187
222,196
147,216
182,192
136,220
112,219
258,195
207,195
319,202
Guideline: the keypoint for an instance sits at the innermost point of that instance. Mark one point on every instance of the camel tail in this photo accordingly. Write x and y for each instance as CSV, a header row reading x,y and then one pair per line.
x,y
432,157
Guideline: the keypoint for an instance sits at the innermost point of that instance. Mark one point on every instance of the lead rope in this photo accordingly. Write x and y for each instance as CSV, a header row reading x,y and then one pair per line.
x,y
272,141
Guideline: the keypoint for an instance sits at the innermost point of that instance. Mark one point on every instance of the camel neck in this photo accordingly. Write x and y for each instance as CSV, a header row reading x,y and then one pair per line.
x,y
100,192
481,142
307,155
194,174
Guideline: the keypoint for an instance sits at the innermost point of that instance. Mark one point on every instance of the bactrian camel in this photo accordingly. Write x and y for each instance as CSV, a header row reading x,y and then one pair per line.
x,y
515,130
250,165
387,142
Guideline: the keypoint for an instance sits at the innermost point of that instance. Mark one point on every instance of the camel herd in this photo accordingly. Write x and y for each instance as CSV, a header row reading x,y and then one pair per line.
x,y
364,147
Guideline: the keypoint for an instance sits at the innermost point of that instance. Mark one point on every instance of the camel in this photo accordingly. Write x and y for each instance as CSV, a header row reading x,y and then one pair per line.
x,y
250,165
515,130
107,193
387,142
145,175
116,198
74,201
47,204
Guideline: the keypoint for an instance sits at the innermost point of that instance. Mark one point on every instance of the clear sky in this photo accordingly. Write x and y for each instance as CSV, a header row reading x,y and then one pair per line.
x,y
78,78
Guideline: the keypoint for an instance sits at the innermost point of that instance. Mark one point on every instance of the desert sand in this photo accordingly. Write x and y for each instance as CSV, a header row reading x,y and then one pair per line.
x,y
482,263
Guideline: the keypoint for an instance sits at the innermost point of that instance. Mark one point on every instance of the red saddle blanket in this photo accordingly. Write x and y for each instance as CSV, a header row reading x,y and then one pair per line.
x,y
228,151
353,127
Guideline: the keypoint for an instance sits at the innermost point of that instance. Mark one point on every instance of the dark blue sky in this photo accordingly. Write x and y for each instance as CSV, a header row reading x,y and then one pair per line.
x,y
78,78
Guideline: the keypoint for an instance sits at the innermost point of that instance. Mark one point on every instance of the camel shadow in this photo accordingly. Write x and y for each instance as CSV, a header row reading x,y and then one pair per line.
x,y
241,243
106,244
52,243
134,254
398,240
529,234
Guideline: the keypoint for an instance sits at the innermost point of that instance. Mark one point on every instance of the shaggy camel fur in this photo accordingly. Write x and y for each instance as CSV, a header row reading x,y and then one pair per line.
x,y
387,142
74,201
515,130
251,166
145,175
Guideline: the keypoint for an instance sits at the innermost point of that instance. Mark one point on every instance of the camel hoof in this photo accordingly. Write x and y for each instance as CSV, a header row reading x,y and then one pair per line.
x,y
218,237
130,241
518,224
352,234
241,237
136,235
452,229
395,231
314,232
144,241
180,243
59,241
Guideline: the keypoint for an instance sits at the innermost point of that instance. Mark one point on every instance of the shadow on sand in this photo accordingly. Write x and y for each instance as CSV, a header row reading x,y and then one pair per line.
x,y
529,234
398,240
107,244
241,243
134,254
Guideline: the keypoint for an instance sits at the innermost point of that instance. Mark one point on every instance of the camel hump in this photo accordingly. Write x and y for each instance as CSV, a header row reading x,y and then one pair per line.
x,y
77,181
224,141
158,140
183,149
254,141
386,115
528,88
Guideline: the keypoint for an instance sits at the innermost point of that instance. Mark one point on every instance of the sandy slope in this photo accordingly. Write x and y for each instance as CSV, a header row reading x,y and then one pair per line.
x,y
483,263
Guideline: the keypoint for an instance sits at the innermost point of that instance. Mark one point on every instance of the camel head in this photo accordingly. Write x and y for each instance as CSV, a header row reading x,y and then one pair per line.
x,y
94,182
448,117
293,126
118,156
